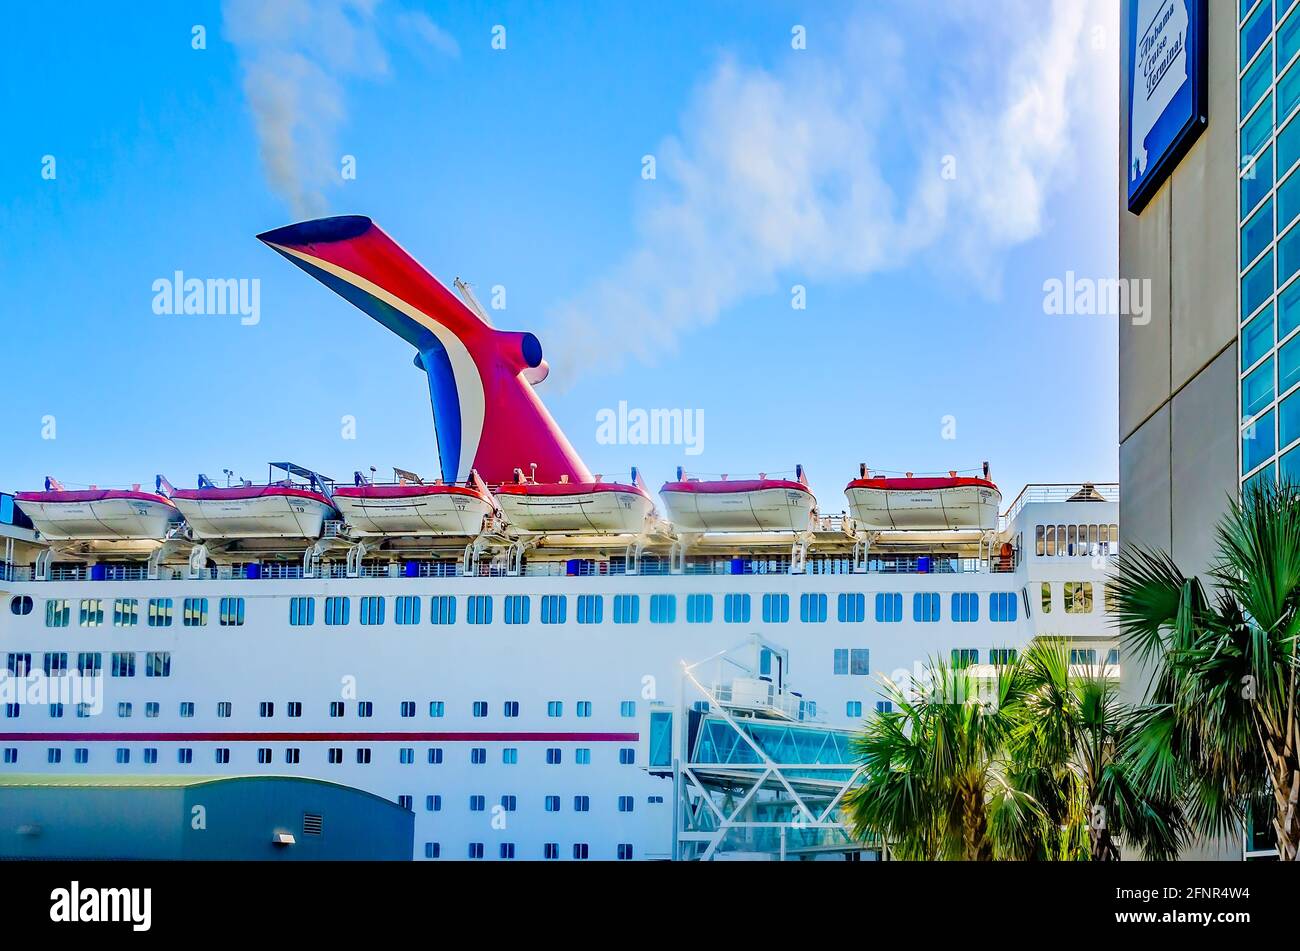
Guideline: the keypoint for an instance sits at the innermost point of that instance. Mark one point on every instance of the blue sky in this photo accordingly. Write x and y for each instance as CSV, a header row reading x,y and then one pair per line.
x,y
522,167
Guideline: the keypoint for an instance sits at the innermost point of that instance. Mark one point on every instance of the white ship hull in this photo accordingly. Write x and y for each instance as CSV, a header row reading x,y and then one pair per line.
x,y
955,508
267,516
773,510
124,519
441,514
606,513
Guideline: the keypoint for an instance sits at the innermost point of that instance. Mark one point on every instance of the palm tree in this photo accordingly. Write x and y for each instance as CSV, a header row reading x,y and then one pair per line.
x,y
1068,743
1219,728
937,783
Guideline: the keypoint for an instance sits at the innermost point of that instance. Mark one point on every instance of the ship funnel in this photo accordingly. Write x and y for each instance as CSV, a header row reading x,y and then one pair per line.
x,y
486,415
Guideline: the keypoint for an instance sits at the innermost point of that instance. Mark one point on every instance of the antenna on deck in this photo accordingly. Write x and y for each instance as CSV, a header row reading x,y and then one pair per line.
x,y
467,294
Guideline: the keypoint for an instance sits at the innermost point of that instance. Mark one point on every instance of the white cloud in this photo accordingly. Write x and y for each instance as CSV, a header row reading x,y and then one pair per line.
x,y
419,26
794,174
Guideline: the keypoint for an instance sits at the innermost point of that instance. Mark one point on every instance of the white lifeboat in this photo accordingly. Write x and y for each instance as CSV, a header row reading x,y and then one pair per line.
x,y
602,508
63,514
950,502
739,505
280,509
411,507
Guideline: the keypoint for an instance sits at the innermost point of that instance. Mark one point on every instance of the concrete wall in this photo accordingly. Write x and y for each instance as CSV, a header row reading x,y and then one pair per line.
x,y
1178,374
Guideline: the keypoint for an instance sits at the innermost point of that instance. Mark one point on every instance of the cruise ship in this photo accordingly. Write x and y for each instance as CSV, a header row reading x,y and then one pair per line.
x,y
540,662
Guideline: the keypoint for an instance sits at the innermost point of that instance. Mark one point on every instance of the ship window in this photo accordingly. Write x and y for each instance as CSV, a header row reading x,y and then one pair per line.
x,y
965,606
123,664
553,756
81,755
510,755
626,804
335,755
433,803
476,850
851,608
859,662
1038,541
889,607
582,756
554,608
158,664
884,706
337,708
627,608
408,708
194,612
583,708
477,803
964,657
1086,656
580,851
223,709
627,708
185,755
1071,540
124,709
442,609
1051,541
1002,606
551,850
1078,597
57,612
126,612
812,608
19,665
291,756
263,755
55,663
853,709
925,606
478,609
365,708
663,609
480,708
266,709
555,708
406,609
552,803
1002,656
372,610
437,708
54,755
699,609
186,709
1109,600
336,610
841,661
517,608
223,755
13,710
776,608
90,664
1112,657
406,755
21,605
1047,597
581,803
591,608
302,611
363,756
160,612
92,612
435,755
511,708
478,755
123,755
736,609
626,756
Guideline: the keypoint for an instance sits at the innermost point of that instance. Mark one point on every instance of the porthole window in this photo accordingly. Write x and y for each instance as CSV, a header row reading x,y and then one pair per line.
x,y
21,604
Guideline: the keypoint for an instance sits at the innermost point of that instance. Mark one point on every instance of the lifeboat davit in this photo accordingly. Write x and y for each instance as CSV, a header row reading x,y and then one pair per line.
x,y
604,508
66,514
280,509
739,505
412,507
949,502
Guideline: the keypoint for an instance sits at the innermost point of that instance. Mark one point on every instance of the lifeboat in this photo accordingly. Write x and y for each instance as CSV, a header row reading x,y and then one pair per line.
x,y
280,509
739,505
950,502
564,507
66,514
411,507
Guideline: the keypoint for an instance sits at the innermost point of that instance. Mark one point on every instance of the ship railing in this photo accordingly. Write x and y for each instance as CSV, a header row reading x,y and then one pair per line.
x,y
1055,492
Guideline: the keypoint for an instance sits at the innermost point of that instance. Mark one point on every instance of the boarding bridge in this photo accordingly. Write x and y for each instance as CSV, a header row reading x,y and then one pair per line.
x,y
756,775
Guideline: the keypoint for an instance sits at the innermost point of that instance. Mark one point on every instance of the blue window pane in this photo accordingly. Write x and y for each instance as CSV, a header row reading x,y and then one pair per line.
x,y
1256,31
1288,365
1257,337
1255,133
1288,310
1257,390
1257,233
1257,285
1289,466
1288,255
1288,92
1255,82
1288,204
1288,147
1257,180
1288,38
1288,420
1258,442
1262,476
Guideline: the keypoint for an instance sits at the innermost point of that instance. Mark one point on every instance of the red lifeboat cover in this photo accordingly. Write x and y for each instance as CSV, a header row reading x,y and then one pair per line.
x,y
718,486
249,492
90,495
567,488
922,483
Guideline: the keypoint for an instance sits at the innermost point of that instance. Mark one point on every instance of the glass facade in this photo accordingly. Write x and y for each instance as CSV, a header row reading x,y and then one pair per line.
x,y
1268,246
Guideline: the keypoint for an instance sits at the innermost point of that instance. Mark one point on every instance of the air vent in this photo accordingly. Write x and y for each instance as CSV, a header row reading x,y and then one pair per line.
x,y
311,825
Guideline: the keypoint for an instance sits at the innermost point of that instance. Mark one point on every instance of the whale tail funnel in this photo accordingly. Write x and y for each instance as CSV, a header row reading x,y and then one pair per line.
x,y
487,418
